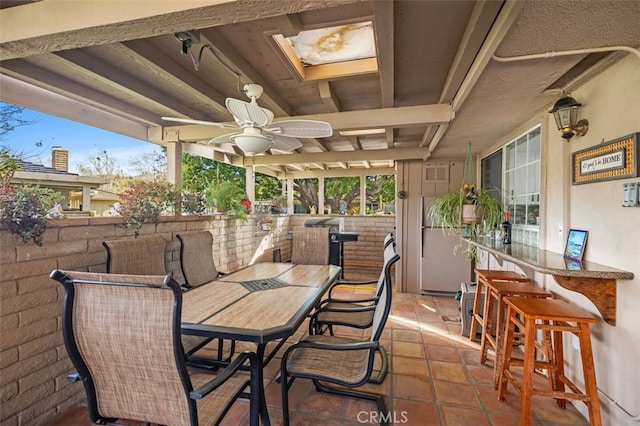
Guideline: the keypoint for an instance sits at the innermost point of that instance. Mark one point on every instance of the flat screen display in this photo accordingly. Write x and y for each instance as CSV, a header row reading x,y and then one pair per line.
x,y
576,242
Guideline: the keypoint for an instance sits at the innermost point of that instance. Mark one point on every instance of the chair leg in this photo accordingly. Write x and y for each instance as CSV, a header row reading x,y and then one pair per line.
x,y
285,384
379,400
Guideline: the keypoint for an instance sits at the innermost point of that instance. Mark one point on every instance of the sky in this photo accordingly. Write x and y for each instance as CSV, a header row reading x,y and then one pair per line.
x,y
82,141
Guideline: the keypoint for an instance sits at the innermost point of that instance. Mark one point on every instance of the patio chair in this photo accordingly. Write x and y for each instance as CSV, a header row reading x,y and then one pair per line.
x,y
352,312
342,361
145,256
310,246
199,268
122,333
356,312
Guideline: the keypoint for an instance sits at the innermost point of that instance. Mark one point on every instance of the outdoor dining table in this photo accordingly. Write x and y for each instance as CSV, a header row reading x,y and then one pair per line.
x,y
261,303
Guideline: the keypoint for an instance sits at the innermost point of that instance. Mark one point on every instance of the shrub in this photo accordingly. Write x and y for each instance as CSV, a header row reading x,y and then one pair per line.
x,y
144,201
24,210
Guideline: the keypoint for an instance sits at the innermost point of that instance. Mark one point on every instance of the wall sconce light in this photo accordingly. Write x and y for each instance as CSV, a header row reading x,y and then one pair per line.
x,y
565,112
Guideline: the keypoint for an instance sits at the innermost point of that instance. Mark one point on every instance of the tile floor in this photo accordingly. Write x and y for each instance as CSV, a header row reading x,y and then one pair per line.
x,y
434,379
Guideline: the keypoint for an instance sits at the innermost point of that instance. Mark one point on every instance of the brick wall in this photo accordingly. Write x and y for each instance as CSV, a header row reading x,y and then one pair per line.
x,y
33,360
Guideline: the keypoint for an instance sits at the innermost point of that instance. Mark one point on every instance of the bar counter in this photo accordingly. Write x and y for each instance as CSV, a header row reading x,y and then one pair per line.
x,y
596,282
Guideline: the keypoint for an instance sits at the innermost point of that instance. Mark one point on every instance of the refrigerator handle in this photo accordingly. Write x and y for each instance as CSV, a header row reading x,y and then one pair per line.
x,y
422,226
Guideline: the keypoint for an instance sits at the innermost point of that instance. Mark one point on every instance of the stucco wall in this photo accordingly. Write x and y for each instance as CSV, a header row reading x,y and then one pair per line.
x,y
612,106
33,360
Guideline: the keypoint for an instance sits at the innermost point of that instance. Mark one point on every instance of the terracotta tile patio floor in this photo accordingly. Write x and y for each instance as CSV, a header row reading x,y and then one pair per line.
x,y
435,378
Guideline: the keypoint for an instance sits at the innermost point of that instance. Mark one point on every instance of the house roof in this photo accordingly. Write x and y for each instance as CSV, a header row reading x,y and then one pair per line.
x,y
50,177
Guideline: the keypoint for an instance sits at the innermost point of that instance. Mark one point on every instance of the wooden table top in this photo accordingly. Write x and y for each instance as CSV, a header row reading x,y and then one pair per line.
x,y
228,307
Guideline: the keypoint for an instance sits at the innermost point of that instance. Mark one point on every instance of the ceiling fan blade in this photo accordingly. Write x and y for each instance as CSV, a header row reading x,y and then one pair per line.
x,y
301,129
222,139
285,143
269,116
206,123
247,114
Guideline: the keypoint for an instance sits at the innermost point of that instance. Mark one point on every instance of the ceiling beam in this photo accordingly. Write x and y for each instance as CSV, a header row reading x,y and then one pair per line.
x,y
329,157
309,174
112,78
230,56
56,25
20,93
348,120
329,99
383,32
168,69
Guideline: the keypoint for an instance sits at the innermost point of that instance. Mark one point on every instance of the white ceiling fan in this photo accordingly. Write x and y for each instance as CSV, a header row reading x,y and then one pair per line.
x,y
258,133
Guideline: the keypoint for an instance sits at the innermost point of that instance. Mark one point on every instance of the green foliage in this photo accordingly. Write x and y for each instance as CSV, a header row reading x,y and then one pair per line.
x,y
144,201
267,187
446,211
227,197
193,203
24,209
198,173
8,167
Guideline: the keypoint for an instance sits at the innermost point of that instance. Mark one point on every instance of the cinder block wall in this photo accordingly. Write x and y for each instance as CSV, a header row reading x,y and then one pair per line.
x,y
365,255
33,360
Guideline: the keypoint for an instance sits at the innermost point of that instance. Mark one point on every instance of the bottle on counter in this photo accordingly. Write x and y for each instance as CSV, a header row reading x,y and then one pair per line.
x,y
506,229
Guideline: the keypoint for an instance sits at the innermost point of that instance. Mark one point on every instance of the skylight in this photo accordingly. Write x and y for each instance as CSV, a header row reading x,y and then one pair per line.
x,y
335,44
328,53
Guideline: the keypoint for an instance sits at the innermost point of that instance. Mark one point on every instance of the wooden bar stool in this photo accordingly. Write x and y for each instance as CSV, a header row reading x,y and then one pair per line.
x,y
552,317
484,277
495,294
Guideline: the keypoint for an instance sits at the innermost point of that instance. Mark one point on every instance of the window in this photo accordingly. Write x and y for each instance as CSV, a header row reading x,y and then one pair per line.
x,y
518,163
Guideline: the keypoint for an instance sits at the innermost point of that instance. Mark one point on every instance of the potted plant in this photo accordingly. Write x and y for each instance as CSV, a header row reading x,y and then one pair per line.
x,y
227,198
468,212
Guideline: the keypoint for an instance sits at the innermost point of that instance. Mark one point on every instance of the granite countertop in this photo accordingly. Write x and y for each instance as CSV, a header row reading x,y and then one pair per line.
x,y
548,262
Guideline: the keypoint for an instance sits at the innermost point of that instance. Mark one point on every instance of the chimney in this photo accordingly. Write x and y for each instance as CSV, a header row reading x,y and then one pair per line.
x,y
60,158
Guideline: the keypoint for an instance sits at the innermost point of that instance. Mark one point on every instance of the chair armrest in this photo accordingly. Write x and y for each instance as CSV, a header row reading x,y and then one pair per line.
x,y
323,302
224,375
355,346
351,309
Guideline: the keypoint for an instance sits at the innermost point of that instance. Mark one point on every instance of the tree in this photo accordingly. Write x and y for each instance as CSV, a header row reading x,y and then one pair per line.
x,y
152,164
198,173
102,164
11,118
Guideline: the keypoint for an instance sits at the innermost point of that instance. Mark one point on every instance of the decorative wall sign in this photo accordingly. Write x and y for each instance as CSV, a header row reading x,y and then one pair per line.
x,y
617,159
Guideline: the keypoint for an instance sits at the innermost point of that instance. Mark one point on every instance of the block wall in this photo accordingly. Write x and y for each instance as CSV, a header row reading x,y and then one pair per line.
x,y
33,360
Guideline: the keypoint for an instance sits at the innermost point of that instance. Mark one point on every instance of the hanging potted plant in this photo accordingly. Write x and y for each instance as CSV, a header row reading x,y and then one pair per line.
x,y
469,211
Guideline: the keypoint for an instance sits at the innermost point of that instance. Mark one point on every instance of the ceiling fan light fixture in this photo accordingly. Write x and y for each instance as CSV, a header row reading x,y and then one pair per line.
x,y
252,144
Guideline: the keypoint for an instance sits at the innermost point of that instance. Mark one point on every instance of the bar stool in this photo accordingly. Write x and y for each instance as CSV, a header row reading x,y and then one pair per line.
x,y
484,276
552,317
496,292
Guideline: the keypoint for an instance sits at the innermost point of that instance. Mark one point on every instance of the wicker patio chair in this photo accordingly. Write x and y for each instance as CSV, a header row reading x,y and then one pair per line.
x,y
356,312
327,359
145,256
122,333
198,268
310,246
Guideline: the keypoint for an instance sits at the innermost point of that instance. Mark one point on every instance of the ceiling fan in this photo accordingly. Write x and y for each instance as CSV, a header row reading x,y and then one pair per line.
x,y
258,132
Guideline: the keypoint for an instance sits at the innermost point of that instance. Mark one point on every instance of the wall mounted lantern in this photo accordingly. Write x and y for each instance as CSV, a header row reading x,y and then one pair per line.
x,y
565,112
